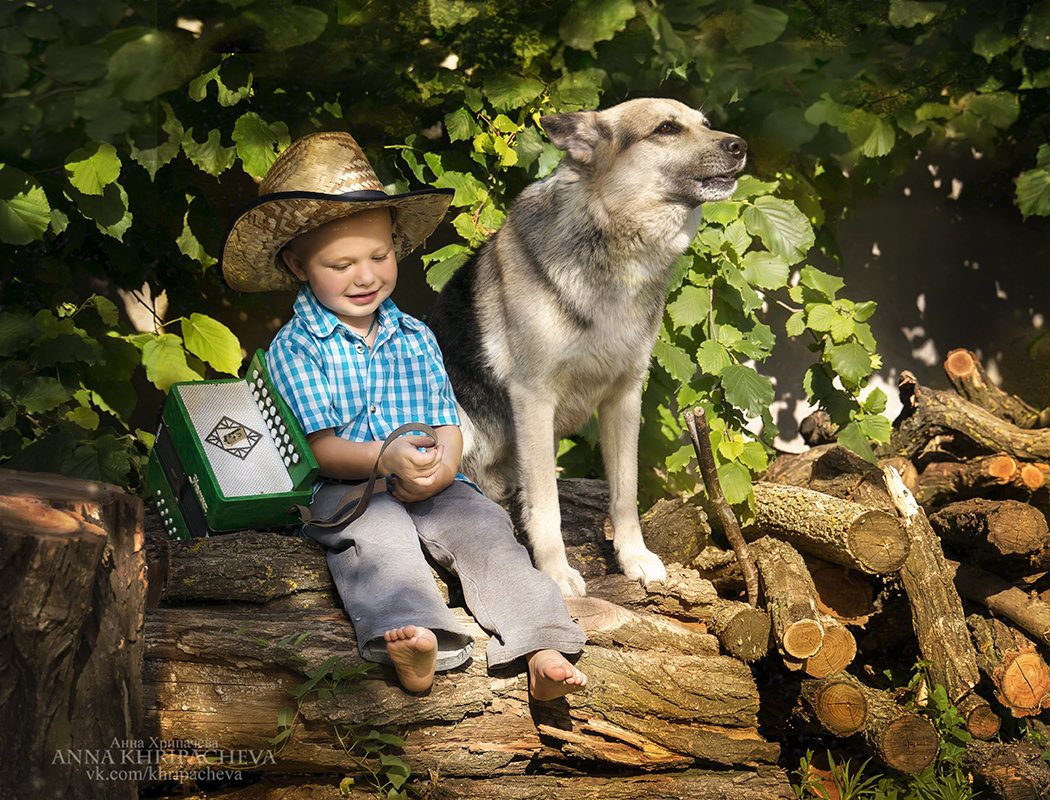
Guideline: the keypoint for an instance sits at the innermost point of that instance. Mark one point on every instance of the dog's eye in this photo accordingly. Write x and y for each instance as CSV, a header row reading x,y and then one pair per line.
x,y
707,123
667,127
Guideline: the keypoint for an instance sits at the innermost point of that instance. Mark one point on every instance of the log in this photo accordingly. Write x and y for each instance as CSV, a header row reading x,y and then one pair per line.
x,y
769,784
829,528
944,481
837,650
900,739
743,630
932,412
936,608
1003,598
222,676
1008,771
790,597
610,625
992,530
842,593
1013,665
981,721
837,703
970,380
73,571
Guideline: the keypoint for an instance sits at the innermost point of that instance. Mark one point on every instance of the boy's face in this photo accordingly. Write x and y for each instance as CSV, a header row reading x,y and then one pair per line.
x,y
349,263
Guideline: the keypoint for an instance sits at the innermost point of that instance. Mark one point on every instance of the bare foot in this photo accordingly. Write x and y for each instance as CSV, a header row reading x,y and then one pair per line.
x,y
414,652
552,676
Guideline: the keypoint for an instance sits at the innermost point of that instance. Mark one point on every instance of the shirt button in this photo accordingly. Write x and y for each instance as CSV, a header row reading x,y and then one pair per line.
x,y
360,347
372,408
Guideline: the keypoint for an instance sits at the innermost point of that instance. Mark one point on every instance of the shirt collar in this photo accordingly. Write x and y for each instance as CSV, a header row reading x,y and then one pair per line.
x,y
322,323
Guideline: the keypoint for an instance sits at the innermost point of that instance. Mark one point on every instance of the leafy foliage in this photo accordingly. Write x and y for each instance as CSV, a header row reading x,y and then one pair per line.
x,y
130,133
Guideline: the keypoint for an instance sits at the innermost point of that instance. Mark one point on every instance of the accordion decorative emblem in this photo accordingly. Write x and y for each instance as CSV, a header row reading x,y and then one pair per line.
x,y
229,455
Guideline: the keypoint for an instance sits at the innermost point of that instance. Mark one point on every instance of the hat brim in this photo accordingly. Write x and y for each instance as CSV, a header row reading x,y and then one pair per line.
x,y
250,256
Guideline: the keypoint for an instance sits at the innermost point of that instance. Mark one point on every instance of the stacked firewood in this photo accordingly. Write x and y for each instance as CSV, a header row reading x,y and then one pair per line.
x,y
940,552
959,502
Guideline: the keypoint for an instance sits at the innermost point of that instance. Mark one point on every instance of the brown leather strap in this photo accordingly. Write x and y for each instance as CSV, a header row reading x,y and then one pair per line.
x,y
353,504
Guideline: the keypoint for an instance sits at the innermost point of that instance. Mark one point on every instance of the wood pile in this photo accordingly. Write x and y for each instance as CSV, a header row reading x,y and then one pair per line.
x,y
940,552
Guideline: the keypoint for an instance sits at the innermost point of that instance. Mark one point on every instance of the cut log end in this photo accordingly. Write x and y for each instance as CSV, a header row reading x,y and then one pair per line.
x,y
981,721
841,708
1024,686
878,542
909,743
837,651
803,639
960,364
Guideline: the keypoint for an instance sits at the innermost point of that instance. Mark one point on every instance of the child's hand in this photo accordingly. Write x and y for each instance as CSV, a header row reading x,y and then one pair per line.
x,y
418,466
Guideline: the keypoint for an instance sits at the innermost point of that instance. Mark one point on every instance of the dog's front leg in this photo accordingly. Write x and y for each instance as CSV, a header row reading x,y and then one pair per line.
x,y
534,433
619,420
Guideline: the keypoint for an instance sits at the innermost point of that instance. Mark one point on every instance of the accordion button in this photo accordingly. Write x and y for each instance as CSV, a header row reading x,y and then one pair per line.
x,y
259,383
255,374
282,428
287,461
295,458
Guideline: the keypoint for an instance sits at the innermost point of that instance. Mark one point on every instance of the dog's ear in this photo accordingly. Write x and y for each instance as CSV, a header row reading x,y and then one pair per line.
x,y
577,133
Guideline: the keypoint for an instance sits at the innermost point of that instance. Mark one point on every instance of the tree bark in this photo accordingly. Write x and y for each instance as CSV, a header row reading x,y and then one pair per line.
x,y
610,625
991,530
73,571
790,597
933,412
1029,613
742,630
1013,665
945,481
971,381
937,613
981,721
222,676
837,703
829,528
1008,771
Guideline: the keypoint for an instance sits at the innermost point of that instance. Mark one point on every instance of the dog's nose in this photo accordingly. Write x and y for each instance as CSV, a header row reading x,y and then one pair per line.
x,y
735,146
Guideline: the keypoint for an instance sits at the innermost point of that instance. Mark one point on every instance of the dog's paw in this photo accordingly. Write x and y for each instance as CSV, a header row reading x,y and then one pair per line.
x,y
570,582
643,566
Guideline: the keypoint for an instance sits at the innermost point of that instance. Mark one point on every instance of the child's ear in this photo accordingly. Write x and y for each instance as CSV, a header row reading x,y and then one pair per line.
x,y
291,260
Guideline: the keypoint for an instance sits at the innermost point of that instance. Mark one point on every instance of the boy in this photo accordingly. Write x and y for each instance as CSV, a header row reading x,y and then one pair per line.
x,y
352,367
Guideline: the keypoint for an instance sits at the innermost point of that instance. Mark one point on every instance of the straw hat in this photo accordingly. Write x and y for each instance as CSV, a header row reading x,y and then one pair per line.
x,y
320,177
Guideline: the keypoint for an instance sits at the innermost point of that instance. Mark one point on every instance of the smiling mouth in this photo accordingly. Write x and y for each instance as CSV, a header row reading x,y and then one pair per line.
x,y
363,299
717,181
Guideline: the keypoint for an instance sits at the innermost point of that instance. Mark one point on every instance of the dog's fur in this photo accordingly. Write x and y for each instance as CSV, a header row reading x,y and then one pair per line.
x,y
557,314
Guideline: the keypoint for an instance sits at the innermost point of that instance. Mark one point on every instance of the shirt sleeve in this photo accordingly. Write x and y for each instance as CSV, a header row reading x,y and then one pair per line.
x,y
301,379
442,408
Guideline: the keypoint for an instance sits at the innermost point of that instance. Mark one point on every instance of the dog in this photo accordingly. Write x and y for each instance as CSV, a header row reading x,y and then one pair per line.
x,y
555,316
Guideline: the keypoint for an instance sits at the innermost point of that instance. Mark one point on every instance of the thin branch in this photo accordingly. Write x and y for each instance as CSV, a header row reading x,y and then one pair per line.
x,y
696,423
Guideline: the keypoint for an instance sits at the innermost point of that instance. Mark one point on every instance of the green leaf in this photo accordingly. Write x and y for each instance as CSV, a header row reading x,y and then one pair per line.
x,y
590,21
153,158
109,211
991,42
468,189
443,263
875,427
880,139
675,360
765,270
827,285
784,229
105,459
820,317
153,63
735,481
450,13
909,13
712,357
41,394
209,156
852,438
1001,109
1035,29
1033,193
460,125
198,88
285,25
15,331
24,210
188,243
165,361
850,361
721,213
508,92
747,390
756,25
93,167
796,324
258,143
690,307
212,342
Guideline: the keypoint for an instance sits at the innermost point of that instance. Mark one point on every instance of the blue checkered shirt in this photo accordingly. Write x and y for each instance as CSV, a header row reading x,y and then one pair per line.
x,y
331,379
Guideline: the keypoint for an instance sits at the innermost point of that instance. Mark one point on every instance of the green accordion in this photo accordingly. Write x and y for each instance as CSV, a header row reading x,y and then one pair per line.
x,y
229,455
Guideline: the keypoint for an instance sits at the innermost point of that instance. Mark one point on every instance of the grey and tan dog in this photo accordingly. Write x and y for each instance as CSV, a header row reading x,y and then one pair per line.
x,y
556,314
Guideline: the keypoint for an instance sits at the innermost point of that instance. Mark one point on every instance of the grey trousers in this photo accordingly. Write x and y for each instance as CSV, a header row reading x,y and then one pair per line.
x,y
384,581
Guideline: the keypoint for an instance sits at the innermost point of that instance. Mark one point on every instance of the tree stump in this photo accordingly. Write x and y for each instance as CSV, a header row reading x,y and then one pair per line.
x,y
73,571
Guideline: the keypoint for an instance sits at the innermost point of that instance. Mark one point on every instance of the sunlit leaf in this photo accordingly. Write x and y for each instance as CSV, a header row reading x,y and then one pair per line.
x,y
590,21
165,361
24,210
746,389
784,229
258,142
212,342
93,167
